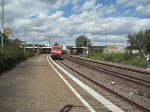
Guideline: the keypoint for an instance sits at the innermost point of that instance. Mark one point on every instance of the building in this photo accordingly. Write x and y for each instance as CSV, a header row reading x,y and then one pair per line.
x,y
19,42
114,49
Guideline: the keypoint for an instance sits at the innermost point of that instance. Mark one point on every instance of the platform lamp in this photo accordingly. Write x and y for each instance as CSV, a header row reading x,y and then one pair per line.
x,y
2,30
106,38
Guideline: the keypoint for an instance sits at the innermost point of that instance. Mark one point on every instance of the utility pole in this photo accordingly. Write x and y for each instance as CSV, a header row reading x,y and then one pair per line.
x,y
25,40
87,48
106,40
38,49
12,36
84,46
2,30
33,45
49,41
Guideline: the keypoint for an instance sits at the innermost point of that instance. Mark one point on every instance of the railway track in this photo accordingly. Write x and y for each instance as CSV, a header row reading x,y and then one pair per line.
x,y
79,61
134,75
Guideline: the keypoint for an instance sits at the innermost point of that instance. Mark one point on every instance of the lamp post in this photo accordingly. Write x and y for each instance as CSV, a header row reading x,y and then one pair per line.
x,y
2,30
33,45
106,38
25,40
88,48
49,41
38,52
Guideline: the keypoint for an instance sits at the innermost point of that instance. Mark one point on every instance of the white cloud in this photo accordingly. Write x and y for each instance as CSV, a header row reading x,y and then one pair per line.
x,y
127,11
75,1
143,9
112,6
129,3
63,19
88,20
61,3
57,15
109,11
75,8
121,1
76,25
88,5
19,22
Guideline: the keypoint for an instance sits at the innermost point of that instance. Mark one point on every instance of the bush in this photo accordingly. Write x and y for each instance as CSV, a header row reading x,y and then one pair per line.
x,y
108,57
29,54
12,55
97,56
126,58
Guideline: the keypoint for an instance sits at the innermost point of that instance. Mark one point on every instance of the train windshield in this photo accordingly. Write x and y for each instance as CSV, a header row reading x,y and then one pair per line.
x,y
57,48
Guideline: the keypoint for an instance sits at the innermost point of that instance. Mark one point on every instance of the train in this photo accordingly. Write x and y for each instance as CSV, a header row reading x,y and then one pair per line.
x,y
56,51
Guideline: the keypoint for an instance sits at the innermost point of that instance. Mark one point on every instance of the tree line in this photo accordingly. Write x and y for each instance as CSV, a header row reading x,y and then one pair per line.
x,y
139,41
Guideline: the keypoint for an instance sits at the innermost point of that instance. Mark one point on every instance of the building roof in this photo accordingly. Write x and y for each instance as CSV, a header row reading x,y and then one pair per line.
x,y
18,42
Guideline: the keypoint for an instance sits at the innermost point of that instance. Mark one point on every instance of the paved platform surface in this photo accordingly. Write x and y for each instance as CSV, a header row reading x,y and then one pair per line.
x,y
33,86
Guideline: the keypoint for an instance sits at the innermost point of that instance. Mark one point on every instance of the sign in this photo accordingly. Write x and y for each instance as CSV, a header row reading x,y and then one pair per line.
x,y
7,31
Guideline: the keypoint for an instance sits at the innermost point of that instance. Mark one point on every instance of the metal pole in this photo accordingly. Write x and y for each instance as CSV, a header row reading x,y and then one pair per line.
x,y
49,41
38,52
88,47
106,40
25,40
33,45
2,30
38,49
12,35
49,44
84,46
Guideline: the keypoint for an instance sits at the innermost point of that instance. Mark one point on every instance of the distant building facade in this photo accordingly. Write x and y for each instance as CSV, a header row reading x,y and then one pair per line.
x,y
19,42
114,49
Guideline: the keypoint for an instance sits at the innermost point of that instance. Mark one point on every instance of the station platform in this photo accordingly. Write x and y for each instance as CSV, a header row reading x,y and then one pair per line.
x,y
34,86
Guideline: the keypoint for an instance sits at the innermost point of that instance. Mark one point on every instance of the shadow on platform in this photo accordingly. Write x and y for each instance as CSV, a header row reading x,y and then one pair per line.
x,y
68,108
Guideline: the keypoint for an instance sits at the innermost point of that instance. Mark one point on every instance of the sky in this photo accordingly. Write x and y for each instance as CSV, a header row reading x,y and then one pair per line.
x,y
103,22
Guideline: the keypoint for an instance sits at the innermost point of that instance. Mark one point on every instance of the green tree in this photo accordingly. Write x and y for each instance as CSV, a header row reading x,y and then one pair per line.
x,y
82,41
5,39
139,41
135,41
146,41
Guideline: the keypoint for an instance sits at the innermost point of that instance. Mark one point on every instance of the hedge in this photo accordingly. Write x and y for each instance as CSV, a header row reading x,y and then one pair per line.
x,y
12,55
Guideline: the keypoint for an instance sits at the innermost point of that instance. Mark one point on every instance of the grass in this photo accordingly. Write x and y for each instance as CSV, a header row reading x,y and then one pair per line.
x,y
125,58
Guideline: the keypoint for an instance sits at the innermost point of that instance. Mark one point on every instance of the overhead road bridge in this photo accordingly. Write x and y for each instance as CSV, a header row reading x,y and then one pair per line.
x,y
42,50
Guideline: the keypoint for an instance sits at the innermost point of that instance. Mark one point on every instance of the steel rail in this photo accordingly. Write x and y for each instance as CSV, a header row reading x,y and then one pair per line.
x,y
117,66
109,90
110,72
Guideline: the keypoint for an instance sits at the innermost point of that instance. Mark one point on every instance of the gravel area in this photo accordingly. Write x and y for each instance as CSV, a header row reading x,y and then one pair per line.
x,y
128,89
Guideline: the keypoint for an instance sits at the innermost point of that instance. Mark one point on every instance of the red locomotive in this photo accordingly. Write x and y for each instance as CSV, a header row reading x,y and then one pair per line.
x,y
56,51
